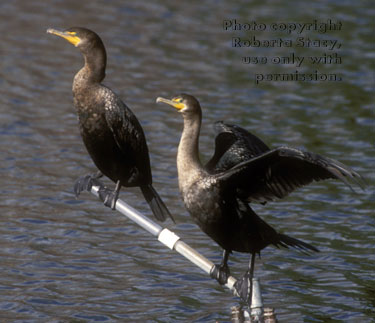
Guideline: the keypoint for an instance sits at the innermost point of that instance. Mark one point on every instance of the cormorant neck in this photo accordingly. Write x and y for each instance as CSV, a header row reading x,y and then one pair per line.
x,y
94,69
188,162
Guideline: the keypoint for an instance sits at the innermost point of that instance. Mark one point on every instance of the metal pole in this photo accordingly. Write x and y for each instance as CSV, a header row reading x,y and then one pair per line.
x,y
166,237
173,242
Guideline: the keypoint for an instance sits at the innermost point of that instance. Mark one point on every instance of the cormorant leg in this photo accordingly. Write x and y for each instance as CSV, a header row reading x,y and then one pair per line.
x,y
85,183
244,286
108,196
221,272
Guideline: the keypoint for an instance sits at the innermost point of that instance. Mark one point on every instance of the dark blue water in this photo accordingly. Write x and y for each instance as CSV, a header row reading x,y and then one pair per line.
x,y
64,259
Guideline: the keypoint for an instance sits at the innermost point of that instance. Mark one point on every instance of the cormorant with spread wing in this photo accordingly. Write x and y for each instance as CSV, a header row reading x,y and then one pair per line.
x,y
243,169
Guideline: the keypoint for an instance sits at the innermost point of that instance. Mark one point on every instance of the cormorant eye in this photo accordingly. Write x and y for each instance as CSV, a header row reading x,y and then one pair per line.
x,y
177,100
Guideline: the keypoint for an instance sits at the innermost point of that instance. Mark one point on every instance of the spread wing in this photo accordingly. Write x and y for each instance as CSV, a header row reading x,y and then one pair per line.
x,y
233,145
278,172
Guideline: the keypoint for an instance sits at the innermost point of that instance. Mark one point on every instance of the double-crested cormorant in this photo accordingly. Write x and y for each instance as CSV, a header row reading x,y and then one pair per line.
x,y
110,131
243,169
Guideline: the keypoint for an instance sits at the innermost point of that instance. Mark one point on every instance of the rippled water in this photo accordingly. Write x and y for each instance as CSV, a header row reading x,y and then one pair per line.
x,y
64,259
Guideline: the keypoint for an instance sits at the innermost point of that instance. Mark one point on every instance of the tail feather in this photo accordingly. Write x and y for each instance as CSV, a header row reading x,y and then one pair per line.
x,y
287,241
157,206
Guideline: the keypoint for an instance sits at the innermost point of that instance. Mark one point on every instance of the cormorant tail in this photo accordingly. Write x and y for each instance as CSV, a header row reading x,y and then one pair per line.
x,y
156,204
287,241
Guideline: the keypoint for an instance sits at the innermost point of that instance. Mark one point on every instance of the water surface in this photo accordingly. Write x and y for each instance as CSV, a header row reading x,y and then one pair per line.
x,y
64,259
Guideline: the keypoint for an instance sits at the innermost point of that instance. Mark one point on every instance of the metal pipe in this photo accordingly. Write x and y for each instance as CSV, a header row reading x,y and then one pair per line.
x,y
256,311
133,215
173,241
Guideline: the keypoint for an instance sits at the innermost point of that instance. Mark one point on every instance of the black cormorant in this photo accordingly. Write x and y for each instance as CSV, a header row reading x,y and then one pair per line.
x,y
110,131
243,169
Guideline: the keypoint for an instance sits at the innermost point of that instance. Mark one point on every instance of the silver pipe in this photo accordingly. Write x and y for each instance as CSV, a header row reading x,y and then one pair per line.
x,y
134,215
173,241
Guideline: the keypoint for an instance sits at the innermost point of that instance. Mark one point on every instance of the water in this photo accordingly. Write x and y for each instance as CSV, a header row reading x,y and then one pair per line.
x,y
64,259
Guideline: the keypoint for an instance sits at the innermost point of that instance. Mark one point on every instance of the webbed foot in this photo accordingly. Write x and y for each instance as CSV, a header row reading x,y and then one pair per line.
x,y
221,273
243,287
108,196
85,183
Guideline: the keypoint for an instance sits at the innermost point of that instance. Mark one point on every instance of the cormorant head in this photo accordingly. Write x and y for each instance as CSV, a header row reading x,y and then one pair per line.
x,y
82,38
92,48
184,103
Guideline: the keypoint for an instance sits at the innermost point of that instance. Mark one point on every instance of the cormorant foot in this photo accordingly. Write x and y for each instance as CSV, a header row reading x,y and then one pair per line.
x,y
85,183
108,196
220,273
243,287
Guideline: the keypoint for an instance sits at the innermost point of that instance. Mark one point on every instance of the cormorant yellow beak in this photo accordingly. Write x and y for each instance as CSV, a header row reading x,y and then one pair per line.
x,y
70,36
176,102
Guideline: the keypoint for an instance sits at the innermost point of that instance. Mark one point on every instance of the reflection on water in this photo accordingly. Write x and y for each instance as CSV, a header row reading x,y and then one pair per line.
x,y
68,259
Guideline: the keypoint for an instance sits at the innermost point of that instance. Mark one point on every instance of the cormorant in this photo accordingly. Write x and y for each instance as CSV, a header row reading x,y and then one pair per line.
x,y
243,169
110,131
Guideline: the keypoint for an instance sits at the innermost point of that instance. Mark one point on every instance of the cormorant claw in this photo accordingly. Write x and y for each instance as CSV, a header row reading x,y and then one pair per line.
x,y
108,196
243,287
85,183
220,273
